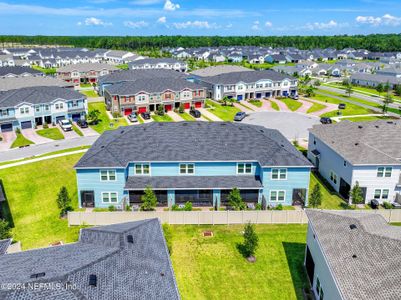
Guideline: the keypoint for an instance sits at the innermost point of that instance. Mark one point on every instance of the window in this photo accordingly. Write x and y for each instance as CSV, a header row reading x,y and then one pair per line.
x,y
279,174
59,105
142,169
345,163
333,177
277,196
381,194
319,289
108,175
47,107
109,197
187,168
37,108
244,168
24,110
384,172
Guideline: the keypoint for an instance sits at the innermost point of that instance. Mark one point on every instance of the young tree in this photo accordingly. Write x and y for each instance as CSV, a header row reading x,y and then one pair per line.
x,y
160,110
345,82
387,100
149,200
379,88
316,83
315,199
356,194
63,201
310,91
397,90
93,116
349,90
181,109
231,101
5,230
251,241
386,87
225,100
235,200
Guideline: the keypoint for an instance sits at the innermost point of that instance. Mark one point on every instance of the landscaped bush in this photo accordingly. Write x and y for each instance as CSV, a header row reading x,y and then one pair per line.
x,y
387,205
1,138
345,205
181,109
258,206
160,110
111,208
116,115
5,230
45,126
18,131
187,207
128,207
278,207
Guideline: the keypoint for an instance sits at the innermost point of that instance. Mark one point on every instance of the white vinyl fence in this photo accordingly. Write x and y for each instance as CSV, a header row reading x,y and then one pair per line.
x,y
207,217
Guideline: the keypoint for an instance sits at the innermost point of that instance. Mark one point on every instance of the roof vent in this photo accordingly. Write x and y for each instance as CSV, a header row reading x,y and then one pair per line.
x,y
390,122
102,146
130,239
352,226
93,280
377,126
354,256
38,275
162,274
122,131
360,126
356,144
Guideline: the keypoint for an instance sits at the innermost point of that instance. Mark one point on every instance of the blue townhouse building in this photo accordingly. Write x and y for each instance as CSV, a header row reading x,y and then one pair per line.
x,y
26,107
200,162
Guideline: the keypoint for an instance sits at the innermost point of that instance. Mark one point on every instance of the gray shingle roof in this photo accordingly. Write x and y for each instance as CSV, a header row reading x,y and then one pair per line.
x,y
246,76
192,141
141,270
376,78
37,95
193,182
17,70
151,86
86,67
4,244
375,272
363,143
220,69
154,61
13,83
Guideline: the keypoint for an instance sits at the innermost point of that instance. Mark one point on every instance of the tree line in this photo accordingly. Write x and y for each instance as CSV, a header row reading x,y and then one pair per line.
x,y
373,42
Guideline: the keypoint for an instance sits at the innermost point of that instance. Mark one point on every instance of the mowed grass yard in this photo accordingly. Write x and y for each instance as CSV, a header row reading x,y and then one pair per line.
x,y
292,105
31,191
104,120
213,268
226,112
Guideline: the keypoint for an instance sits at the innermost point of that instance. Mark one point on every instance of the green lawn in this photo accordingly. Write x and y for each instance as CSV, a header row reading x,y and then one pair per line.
x,y
50,71
187,117
275,105
122,66
213,268
140,120
330,198
21,141
85,85
165,118
90,94
32,204
226,113
315,107
242,103
292,104
51,133
104,122
77,130
257,103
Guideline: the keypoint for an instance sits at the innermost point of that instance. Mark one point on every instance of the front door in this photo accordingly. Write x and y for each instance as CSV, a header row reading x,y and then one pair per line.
x,y
87,198
298,197
364,189
344,189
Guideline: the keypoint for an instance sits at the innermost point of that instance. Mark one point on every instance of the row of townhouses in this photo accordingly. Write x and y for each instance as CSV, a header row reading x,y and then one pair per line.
x,y
84,72
389,75
159,63
26,107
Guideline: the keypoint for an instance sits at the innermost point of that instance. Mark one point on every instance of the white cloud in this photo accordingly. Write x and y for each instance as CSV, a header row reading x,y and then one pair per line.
x,y
195,24
229,25
170,6
387,19
162,20
268,24
136,25
92,21
255,25
320,25
145,2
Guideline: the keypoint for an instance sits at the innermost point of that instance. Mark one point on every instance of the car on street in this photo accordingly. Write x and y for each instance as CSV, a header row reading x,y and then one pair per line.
x,y
82,123
195,113
145,115
65,125
341,106
132,117
325,120
239,116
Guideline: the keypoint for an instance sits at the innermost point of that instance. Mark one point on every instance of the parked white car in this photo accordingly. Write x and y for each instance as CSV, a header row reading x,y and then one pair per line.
x,y
65,125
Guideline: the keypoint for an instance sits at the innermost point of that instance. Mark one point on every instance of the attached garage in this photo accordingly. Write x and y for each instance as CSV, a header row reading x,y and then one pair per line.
x,y
198,104
127,111
75,117
6,127
187,105
239,97
258,95
168,107
142,110
26,124
60,118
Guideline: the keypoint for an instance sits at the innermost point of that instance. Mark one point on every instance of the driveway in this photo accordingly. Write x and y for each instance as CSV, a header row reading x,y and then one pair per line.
x,y
87,131
291,124
68,134
8,139
176,117
31,135
282,106
209,115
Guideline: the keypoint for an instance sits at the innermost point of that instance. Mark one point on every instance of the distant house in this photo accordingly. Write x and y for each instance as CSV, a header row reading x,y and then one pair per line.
x,y
368,153
84,73
6,72
276,58
373,80
352,255
120,261
6,60
159,63
234,57
120,57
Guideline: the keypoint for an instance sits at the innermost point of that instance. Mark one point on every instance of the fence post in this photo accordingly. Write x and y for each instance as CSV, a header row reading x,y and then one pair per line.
x,y
257,217
199,218
213,217
286,217
242,217
227,218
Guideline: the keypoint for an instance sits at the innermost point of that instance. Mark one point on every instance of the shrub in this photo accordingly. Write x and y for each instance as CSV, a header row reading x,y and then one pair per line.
x,y
45,126
18,131
316,196
5,230
149,200
356,194
258,206
188,206
116,115
235,199
251,241
279,207
387,205
63,201
160,110
111,208
1,138
181,109
175,207
127,207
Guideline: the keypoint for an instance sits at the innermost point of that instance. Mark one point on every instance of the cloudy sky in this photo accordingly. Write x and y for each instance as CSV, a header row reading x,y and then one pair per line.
x,y
201,17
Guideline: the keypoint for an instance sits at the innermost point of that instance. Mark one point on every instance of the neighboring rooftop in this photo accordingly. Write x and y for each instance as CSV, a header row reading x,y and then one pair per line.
x,y
86,67
4,244
37,95
192,141
218,70
154,61
17,71
123,270
375,271
363,143
376,78
13,83
246,77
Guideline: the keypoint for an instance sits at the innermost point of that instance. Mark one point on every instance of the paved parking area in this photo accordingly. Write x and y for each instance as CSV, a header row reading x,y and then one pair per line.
x,y
68,134
8,139
31,135
87,131
292,125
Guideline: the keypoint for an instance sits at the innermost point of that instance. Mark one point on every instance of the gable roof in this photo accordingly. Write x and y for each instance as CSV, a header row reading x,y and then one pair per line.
x,y
12,83
86,67
155,61
4,244
376,270
246,76
141,270
192,141
18,70
219,69
363,143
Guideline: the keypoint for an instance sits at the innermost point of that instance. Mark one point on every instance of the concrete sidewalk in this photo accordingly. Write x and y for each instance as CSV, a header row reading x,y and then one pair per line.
x,y
209,115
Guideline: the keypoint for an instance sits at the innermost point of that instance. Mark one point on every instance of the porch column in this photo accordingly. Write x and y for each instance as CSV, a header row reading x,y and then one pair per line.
x,y
216,198
170,198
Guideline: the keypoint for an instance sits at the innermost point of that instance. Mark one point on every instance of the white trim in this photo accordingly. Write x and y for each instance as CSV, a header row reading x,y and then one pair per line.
x,y
109,193
244,163
186,169
108,175
277,191
279,174
142,164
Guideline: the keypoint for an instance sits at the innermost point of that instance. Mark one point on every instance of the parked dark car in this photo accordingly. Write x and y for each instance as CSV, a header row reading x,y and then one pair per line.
x,y
239,116
145,115
326,121
341,106
374,204
195,113
82,123
295,97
